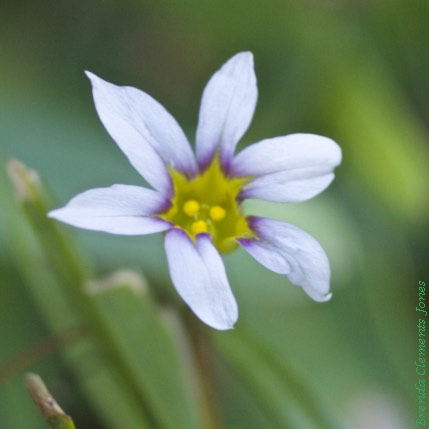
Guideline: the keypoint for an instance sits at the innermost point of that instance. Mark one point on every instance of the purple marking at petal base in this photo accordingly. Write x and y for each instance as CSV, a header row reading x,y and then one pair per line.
x,y
267,255
164,207
246,242
205,162
178,231
189,173
252,221
226,164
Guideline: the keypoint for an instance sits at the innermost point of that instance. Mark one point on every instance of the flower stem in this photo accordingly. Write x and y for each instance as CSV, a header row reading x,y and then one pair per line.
x,y
54,415
202,354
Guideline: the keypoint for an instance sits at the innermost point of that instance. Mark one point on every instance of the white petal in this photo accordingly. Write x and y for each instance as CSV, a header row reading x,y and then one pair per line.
x,y
147,134
293,152
309,265
120,209
199,276
265,254
288,186
227,108
222,294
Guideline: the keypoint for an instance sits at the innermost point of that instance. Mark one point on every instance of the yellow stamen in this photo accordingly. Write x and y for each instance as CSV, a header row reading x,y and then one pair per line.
x,y
199,227
191,207
209,203
217,213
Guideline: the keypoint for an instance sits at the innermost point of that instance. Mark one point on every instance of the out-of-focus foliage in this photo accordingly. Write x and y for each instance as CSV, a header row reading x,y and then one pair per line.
x,y
355,71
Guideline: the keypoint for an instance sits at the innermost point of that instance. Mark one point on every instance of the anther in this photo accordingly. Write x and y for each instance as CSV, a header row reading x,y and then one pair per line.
x,y
199,227
217,213
191,207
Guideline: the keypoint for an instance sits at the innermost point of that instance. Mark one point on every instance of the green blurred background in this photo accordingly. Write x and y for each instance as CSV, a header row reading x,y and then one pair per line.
x,y
354,70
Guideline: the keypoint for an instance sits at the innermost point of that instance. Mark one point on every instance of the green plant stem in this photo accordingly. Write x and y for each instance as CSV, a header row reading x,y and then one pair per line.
x,y
69,268
274,382
54,415
202,354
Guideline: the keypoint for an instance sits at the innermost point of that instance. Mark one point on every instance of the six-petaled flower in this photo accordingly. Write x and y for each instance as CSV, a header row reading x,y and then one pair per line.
x,y
196,201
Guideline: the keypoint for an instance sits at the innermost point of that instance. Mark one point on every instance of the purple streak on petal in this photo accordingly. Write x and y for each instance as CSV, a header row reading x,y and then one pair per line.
x,y
205,161
252,221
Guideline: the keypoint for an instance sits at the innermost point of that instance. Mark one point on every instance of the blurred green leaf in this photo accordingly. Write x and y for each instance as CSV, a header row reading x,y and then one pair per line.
x,y
127,327
145,343
19,327
285,395
384,140
106,390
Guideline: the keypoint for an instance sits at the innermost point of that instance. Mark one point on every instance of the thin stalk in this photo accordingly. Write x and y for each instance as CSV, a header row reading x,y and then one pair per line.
x,y
54,415
202,355
69,268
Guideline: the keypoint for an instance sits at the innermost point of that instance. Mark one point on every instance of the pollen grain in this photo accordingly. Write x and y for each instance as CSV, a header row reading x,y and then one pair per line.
x,y
199,227
191,207
217,213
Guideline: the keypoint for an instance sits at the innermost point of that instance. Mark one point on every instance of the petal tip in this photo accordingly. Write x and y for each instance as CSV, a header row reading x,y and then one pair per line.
x,y
244,59
319,297
53,214
224,328
95,80
224,325
90,75
247,55
327,297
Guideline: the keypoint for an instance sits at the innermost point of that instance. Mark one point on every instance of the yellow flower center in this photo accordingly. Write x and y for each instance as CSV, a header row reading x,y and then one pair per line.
x,y
208,204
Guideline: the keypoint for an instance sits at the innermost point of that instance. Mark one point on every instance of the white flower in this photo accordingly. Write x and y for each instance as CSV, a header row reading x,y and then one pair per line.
x,y
196,201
